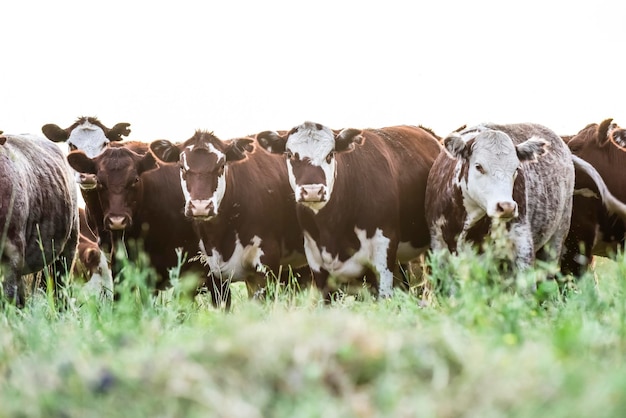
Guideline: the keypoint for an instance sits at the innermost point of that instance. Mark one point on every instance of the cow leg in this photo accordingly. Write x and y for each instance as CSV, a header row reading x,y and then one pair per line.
x,y
523,243
220,292
320,278
10,267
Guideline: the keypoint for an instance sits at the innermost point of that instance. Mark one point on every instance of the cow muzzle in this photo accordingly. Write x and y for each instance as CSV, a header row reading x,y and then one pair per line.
x,y
87,181
117,223
312,193
506,210
201,209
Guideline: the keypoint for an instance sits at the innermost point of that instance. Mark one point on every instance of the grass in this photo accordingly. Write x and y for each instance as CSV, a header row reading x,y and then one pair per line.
x,y
480,346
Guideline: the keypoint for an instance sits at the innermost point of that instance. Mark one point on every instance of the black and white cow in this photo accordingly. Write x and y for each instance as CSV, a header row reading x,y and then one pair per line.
x,y
360,196
38,211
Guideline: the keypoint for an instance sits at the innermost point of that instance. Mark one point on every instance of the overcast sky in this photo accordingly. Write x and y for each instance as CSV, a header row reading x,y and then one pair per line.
x,y
240,67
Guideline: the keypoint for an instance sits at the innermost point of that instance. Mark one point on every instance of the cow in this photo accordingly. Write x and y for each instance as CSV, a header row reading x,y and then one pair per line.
x,y
140,202
38,212
596,229
91,136
91,265
521,174
242,208
360,199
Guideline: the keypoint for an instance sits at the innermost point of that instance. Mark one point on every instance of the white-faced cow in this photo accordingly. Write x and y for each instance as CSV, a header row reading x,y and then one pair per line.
x,y
519,173
141,202
242,207
597,227
38,211
360,199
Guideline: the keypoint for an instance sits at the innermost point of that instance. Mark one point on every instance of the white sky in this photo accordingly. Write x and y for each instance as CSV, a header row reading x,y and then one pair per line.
x,y
241,67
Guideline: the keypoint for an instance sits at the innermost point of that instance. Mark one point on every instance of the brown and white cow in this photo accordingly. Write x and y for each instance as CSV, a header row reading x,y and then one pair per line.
x,y
242,207
38,211
141,201
360,196
520,173
91,265
597,228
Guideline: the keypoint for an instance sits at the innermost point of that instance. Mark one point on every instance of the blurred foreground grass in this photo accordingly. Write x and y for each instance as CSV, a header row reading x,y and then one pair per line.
x,y
483,349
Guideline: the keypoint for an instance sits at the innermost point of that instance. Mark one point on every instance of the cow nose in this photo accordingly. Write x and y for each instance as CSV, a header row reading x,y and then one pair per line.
x,y
117,222
313,193
201,208
506,209
87,181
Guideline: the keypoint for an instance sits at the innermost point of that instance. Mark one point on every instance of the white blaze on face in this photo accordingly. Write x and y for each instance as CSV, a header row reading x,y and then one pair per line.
x,y
90,139
220,190
491,174
314,144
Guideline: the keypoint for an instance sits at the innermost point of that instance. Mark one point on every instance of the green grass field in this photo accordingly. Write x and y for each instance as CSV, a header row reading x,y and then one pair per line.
x,y
482,346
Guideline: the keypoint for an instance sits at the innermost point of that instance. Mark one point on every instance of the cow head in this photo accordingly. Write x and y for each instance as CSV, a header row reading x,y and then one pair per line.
x,y
310,151
89,135
488,165
119,184
597,136
203,160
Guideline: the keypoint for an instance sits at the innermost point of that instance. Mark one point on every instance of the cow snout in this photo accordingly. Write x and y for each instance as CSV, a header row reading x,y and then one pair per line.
x,y
506,210
313,193
201,208
116,223
87,181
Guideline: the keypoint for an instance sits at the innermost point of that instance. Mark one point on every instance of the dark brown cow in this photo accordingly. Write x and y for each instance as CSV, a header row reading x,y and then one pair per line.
x,y
360,196
38,211
595,229
91,265
141,201
242,207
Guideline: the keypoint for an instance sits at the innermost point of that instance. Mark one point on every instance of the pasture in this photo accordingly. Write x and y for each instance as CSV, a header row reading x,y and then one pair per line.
x,y
482,346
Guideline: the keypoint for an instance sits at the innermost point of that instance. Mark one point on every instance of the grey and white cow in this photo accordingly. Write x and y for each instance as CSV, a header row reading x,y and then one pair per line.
x,y
520,173
38,211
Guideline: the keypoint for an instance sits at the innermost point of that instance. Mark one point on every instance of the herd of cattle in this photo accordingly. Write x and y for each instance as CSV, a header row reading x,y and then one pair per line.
x,y
335,207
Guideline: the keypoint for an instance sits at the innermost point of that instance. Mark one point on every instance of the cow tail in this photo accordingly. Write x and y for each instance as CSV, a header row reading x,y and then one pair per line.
x,y
612,204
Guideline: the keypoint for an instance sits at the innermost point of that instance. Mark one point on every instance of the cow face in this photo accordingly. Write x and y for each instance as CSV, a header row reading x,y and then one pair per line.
x,y
89,135
487,168
203,161
119,185
310,151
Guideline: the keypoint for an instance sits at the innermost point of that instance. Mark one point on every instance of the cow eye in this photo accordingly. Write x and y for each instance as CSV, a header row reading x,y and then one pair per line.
x,y
72,147
288,155
480,169
220,171
330,156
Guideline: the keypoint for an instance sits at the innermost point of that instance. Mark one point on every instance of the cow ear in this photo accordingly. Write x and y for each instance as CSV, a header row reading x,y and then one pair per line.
x,y
456,146
345,140
238,148
272,141
165,151
603,132
3,138
116,132
532,148
146,163
79,161
54,133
